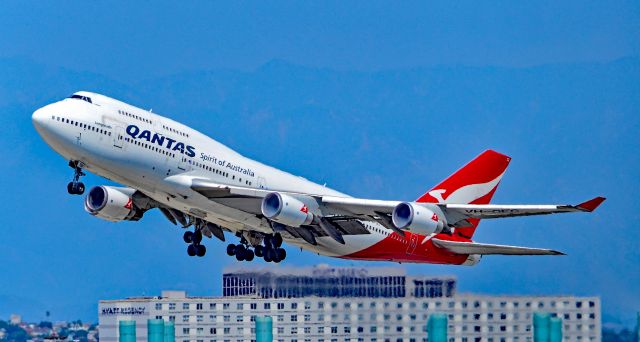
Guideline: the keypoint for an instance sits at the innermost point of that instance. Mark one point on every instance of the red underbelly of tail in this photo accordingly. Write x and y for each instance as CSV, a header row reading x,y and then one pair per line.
x,y
408,249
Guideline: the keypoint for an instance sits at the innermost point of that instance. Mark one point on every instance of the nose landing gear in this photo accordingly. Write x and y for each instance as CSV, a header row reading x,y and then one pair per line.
x,y
76,187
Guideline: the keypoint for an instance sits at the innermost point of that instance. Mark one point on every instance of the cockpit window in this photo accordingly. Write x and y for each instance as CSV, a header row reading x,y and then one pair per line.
x,y
80,97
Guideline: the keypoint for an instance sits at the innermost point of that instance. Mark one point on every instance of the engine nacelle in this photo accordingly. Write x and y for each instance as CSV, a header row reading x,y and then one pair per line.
x,y
286,209
418,219
111,204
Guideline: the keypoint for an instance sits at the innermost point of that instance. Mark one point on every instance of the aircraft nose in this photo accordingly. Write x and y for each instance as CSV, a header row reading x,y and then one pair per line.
x,y
38,117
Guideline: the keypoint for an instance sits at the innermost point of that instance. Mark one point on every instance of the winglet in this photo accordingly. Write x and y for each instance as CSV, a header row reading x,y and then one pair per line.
x,y
591,204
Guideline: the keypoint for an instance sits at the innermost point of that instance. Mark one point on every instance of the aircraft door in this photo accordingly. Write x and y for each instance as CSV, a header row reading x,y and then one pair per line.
x,y
413,243
262,183
118,137
182,162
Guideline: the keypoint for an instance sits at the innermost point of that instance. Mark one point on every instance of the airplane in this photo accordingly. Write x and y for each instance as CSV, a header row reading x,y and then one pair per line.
x,y
195,181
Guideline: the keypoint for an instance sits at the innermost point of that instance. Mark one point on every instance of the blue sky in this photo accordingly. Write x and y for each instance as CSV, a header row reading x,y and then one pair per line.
x,y
396,96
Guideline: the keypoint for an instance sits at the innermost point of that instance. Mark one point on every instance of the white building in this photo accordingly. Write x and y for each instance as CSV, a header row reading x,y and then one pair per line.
x,y
383,304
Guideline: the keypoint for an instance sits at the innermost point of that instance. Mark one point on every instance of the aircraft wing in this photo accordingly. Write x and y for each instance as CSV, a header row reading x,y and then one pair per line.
x,y
344,212
458,247
249,200
245,199
485,211
457,214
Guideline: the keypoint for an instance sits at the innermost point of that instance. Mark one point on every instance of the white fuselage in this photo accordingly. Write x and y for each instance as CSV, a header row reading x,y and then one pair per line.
x,y
149,153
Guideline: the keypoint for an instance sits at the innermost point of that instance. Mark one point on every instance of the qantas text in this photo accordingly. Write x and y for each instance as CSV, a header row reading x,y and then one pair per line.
x,y
166,142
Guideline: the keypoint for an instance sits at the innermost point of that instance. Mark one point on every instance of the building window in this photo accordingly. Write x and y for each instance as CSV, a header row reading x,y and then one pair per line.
x,y
172,306
199,306
158,306
185,306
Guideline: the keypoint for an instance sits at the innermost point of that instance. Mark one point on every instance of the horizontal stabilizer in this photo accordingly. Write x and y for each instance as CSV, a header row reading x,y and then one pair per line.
x,y
488,249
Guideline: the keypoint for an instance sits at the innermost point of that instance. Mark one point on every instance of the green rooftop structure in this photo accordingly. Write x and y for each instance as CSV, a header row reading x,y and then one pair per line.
x,y
169,331
437,327
126,331
541,325
264,329
555,329
155,330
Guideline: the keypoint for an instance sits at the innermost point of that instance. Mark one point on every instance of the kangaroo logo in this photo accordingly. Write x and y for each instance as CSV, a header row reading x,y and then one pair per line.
x,y
467,193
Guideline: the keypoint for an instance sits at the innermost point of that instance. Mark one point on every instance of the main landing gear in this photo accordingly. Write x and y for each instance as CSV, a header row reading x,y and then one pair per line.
x,y
269,250
76,187
193,239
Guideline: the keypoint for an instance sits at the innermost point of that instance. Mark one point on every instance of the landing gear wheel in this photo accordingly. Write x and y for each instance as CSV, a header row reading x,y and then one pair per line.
x,y
248,256
76,187
270,255
201,250
192,250
282,253
188,236
197,236
231,249
277,240
80,188
240,252
267,241
259,251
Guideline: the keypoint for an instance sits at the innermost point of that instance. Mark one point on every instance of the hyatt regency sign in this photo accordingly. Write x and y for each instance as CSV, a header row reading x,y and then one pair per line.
x,y
139,311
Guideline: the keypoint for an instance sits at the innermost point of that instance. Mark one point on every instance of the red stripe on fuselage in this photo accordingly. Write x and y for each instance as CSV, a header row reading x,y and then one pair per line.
x,y
396,248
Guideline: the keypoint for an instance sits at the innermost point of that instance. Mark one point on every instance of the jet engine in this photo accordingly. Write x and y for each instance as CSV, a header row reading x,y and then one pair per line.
x,y
286,209
417,218
112,204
